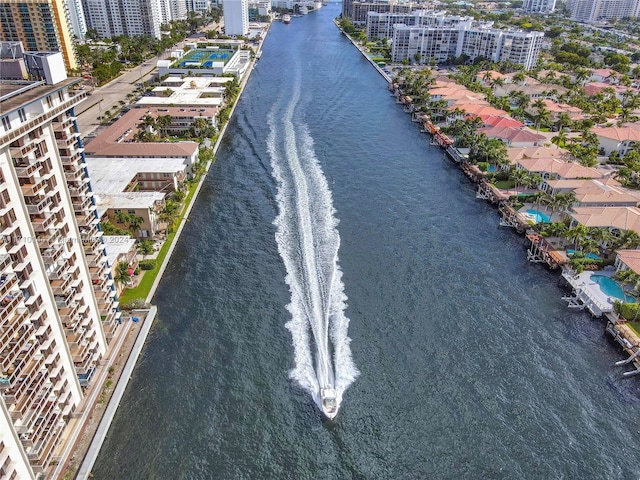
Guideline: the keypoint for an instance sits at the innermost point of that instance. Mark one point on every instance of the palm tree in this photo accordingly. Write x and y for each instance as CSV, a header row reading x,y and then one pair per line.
x,y
560,139
629,240
122,275
577,235
163,122
145,247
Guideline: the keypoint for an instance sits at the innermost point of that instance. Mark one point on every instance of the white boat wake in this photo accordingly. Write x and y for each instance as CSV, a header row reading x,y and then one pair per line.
x,y
308,242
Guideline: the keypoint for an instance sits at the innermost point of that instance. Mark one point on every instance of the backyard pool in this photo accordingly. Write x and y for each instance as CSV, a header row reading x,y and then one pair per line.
x,y
587,255
538,216
610,287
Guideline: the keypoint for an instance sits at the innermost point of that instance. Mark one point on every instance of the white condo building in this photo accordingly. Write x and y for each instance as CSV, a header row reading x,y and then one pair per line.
x,y
58,308
432,36
596,10
76,18
236,17
539,6
124,17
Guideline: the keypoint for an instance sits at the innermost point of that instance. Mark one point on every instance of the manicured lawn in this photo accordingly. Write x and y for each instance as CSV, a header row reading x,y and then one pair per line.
x,y
635,326
504,184
142,290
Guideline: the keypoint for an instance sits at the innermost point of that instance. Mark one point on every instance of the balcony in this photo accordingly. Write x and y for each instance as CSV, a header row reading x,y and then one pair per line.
x,y
34,189
39,205
86,219
82,203
28,171
74,175
60,287
41,224
22,151
68,314
48,239
5,261
74,158
52,254
67,141
8,281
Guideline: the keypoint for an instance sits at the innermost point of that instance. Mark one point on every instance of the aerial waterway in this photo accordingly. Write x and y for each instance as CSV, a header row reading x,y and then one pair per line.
x,y
471,366
308,241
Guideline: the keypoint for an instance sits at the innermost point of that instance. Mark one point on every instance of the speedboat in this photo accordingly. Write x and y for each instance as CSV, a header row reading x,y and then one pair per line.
x,y
286,19
329,402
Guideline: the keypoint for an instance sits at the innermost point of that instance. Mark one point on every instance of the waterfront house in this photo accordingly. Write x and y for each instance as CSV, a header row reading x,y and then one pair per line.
x,y
616,219
556,169
628,260
472,110
546,151
514,136
596,192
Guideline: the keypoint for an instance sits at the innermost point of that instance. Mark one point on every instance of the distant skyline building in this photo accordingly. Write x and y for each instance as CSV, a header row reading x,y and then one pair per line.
x,y
597,10
199,6
58,308
539,6
124,17
236,17
41,26
356,11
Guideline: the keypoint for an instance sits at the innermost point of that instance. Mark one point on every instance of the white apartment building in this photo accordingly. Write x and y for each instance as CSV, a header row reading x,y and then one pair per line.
x,y
124,17
461,37
539,6
596,10
380,25
236,17
58,310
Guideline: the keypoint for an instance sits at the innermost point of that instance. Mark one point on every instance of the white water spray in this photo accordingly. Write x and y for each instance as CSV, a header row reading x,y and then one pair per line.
x,y
308,242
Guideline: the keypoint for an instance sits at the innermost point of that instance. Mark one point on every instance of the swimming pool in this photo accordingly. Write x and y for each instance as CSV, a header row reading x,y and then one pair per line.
x,y
538,216
587,255
610,287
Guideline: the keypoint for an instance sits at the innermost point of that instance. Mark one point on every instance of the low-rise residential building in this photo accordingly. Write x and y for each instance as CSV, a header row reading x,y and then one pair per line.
x,y
556,109
617,139
118,141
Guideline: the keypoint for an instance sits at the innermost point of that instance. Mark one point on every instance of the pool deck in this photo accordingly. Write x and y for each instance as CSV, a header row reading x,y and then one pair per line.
x,y
587,293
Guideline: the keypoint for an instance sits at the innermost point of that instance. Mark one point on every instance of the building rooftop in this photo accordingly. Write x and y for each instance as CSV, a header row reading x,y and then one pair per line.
x,y
116,245
11,98
112,175
117,141
631,258
127,200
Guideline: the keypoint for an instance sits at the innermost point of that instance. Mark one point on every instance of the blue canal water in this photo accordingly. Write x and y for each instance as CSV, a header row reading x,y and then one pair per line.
x,y
470,365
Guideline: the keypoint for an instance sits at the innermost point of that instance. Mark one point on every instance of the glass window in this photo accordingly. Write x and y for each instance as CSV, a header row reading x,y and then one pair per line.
x,y
22,115
6,123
